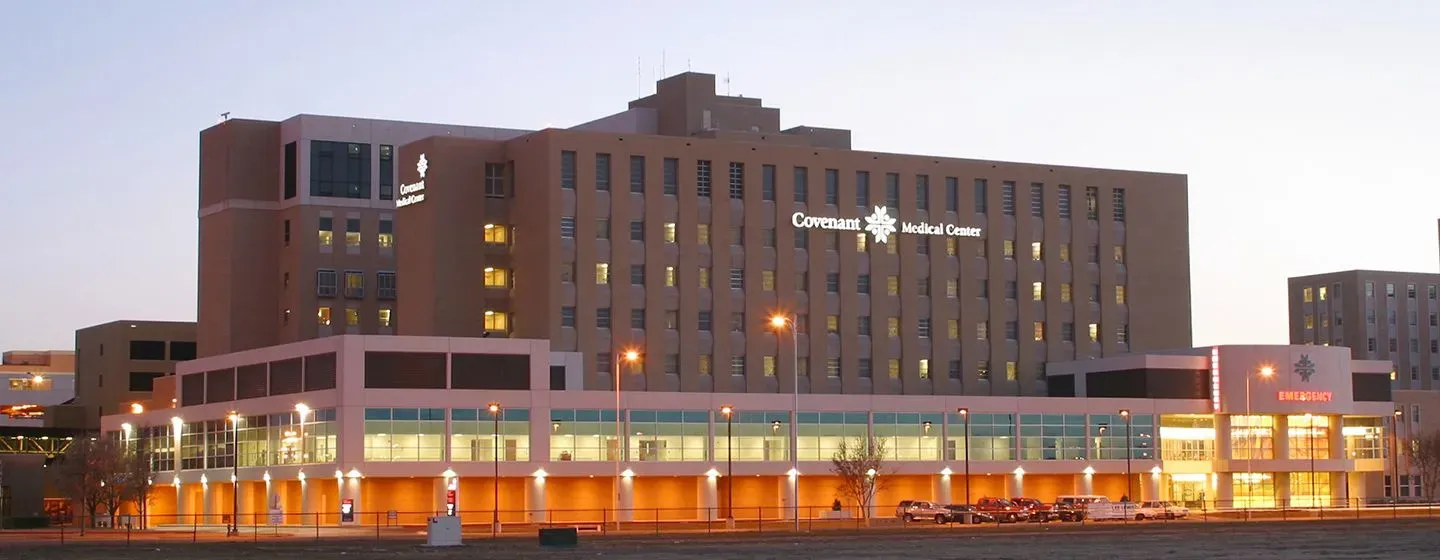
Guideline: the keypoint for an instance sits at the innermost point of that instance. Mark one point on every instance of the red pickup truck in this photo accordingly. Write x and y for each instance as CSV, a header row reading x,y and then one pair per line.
x,y
1003,510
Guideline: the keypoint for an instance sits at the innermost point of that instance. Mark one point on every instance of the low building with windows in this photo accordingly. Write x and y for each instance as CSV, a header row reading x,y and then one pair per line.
x,y
418,425
32,383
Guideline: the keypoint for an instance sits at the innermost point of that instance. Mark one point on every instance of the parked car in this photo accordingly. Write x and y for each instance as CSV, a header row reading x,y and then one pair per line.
x,y
1040,512
958,512
910,510
1069,512
1162,510
1002,510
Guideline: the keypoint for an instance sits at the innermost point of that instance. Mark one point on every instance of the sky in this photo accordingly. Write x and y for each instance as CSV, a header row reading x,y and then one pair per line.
x,y
1306,127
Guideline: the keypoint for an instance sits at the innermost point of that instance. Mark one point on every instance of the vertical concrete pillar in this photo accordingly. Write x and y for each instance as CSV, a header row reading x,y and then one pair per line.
x,y
184,509
350,490
1223,450
206,506
1359,488
627,499
1015,484
790,496
535,500
1282,489
1224,490
1282,437
709,497
305,511
1085,484
1151,490
942,489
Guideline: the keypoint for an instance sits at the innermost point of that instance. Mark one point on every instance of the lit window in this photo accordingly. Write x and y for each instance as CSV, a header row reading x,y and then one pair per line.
x,y
1322,293
385,315
1309,321
1040,330
891,248
769,365
894,369
602,273
1308,295
954,328
352,317
1010,371
952,288
1037,291
386,238
704,277
1120,255
702,365
892,285
1036,252
669,232
1120,295
950,244
1064,252
832,323
327,231
982,331
1094,332
703,234
323,316
1009,249
496,278
497,321
767,280
352,232
924,369
669,276
1065,292
861,242
496,234
892,326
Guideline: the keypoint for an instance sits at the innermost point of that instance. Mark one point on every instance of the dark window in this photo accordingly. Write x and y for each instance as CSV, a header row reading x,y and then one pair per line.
x,y
767,182
404,370
387,172
637,230
182,350
802,184
496,372
952,195
567,169
892,189
1092,203
192,389
285,377
291,168
1063,201
220,386
832,186
250,381
737,180
922,192
637,174
702,178
982,198
557,378
320,372
1118,207
602,172
287,233
672,175
385,285
143,381
147,350
1007,198
495,180
862,188
1037,200
339,169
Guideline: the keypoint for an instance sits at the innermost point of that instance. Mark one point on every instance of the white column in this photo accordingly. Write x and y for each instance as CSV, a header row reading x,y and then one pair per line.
x,y
1015,484
942,489
535,500
1282,489
304,510
1282,436
1224,490
790,496
1085,484
205,510
627,499
1152,487
184,510
709,498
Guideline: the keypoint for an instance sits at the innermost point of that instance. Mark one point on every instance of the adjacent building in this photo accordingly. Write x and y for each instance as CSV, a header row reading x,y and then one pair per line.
x,y
117,364
282,201
680,227
32,384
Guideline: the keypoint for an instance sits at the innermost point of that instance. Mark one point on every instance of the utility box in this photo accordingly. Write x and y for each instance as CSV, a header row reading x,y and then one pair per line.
x,y
559,537
443,531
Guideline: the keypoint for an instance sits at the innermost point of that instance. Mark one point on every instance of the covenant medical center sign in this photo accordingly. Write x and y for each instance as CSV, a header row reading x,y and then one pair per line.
x,y
881,225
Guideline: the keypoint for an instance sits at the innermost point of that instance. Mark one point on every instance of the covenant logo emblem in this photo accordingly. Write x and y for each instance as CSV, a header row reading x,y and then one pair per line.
x,y
414,192
881,225
1305,368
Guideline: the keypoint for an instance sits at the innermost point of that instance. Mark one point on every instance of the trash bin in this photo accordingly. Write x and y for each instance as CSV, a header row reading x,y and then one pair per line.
x,y
442,531
559,537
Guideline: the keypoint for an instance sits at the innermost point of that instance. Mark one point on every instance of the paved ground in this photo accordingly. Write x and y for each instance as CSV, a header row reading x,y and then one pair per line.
x,y
1330,540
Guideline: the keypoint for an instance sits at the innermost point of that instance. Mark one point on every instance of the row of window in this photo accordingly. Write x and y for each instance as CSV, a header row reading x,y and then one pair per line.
x,y
384,317
325,233
327,284
800,179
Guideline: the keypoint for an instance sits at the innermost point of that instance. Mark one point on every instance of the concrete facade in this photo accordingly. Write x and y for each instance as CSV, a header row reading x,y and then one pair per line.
x,y
118,363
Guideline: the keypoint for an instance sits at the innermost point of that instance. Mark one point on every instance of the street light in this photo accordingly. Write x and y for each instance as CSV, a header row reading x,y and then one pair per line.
x,y
234,473
729,413
780,323
302,409
1266,372
495,454
1125,413
1395,455
137,408
965,415
629,355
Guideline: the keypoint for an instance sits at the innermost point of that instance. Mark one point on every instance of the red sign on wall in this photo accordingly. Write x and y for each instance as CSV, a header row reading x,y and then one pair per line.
x,y
1306,396
450,503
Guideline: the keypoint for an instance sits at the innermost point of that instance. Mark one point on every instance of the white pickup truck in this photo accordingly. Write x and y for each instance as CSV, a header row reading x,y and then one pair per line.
x,y
1104,509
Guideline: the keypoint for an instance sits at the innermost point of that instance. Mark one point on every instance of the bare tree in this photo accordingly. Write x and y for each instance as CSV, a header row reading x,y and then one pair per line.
x,y
90,476
1424,456
860,465
136,468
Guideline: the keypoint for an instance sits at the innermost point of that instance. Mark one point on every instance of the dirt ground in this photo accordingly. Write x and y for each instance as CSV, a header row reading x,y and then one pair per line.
x,y
1402,539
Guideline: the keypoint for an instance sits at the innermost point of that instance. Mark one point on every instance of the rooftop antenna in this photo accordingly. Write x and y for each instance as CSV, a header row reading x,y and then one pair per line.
x,y
687,64
662,63
639,77
727,84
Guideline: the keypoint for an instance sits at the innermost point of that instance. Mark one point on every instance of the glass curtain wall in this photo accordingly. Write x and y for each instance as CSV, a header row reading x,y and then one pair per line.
x,y
909,436
473,435
820,433
583,435
1187,437
759,436
668,435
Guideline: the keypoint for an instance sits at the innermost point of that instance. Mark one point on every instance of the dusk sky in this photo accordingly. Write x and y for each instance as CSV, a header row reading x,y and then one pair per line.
x,y
1304,126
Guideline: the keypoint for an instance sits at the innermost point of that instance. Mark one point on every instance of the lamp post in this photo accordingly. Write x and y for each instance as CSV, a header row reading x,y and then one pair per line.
x,y
1265,372
626,356
495,456
1125,413
234,528
1310,435
965,416
779,323
729,413
1395,455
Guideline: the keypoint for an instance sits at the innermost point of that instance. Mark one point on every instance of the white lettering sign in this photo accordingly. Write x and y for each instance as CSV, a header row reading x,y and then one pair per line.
x,y
414,192
881,225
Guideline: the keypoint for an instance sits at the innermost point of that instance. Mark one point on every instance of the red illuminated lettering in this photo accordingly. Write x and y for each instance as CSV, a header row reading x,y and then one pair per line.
x,y
1306,396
